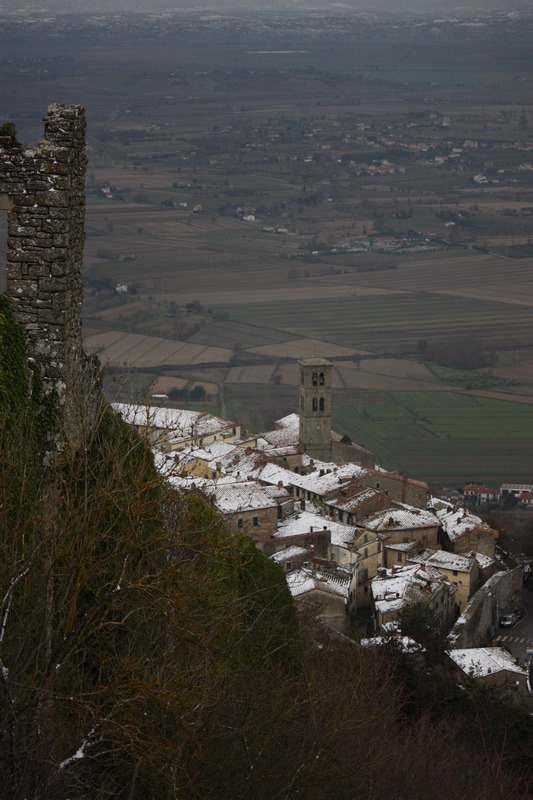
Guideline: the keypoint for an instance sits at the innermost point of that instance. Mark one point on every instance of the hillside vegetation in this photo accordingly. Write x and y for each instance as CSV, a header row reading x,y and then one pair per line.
x,y
145,653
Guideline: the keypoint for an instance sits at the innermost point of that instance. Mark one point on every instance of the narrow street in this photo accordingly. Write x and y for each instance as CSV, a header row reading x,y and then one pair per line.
x,y
519,638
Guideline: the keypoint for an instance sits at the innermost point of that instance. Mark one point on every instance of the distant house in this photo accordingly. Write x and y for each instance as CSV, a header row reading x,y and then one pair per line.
x,y
478,493
526,499
515,489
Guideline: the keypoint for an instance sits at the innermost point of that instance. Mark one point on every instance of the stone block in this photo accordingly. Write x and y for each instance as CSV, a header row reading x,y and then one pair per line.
x,y
52,199
54,254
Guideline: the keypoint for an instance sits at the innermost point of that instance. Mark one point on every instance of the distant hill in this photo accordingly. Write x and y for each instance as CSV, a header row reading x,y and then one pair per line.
x,y
150,6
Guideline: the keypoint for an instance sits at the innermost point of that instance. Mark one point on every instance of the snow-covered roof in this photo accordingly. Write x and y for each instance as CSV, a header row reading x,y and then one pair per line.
x,y
484,561
458,521
403,547
404,643
440,559
326,477
210,453
517,487
405,585
482,661
400,519
277,492
290,421
288,554
306,521
285,437
302,581
242,462
356,501
233,497
178,422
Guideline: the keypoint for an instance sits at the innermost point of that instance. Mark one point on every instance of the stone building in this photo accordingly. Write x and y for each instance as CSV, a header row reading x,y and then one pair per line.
x,y
315,407
42,190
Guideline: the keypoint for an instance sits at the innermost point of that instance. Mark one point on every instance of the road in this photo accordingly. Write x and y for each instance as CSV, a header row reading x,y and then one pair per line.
x,y
519,638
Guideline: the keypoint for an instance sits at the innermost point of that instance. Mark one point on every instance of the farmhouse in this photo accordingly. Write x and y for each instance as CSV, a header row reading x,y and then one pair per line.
x,y
478,493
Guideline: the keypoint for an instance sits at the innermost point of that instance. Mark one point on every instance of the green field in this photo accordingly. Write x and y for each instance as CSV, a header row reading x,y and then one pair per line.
x,y
440,436
391,323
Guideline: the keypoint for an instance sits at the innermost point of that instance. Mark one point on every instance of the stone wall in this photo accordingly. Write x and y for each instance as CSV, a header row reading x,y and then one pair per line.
x,y
42,189
480,620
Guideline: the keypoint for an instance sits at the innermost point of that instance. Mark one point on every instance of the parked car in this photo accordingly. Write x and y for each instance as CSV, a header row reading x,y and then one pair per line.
x,y
510,619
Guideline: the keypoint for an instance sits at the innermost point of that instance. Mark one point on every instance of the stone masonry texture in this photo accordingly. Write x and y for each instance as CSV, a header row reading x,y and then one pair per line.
x,y
42,188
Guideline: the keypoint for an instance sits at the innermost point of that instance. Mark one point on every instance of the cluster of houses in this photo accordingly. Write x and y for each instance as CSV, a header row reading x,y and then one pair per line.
x,y
478,494
356,542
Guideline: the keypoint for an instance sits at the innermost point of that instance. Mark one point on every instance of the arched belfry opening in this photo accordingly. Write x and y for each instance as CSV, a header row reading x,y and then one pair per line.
x,y
315,407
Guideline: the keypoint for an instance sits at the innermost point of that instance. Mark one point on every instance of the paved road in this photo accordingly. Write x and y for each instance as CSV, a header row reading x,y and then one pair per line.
x,y
519,638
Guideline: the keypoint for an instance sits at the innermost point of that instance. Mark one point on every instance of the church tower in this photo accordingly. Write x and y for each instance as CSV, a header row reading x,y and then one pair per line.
x,y
315,407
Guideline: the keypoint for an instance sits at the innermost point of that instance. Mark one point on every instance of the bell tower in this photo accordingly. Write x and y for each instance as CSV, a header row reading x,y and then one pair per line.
x,y
315,407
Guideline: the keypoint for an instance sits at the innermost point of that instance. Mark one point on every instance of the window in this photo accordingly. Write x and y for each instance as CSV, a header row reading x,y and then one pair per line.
x,y
377,485
315,404
321,404
315,379
256,522
321,379
455,572
400,558
366,552
239,522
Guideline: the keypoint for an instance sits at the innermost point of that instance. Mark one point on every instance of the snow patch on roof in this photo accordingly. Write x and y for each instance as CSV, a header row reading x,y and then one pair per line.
x,y
482,661
302,581
400,519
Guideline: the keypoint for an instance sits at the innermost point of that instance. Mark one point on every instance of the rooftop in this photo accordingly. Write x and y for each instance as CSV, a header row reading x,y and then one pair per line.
x,y
444,560
481,661
400,519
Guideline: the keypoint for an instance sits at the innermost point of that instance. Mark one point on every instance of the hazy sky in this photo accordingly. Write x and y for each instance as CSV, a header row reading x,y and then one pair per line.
x,y
397,6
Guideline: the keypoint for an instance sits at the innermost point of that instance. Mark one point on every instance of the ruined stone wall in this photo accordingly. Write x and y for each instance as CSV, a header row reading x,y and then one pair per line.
x,y
42,189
